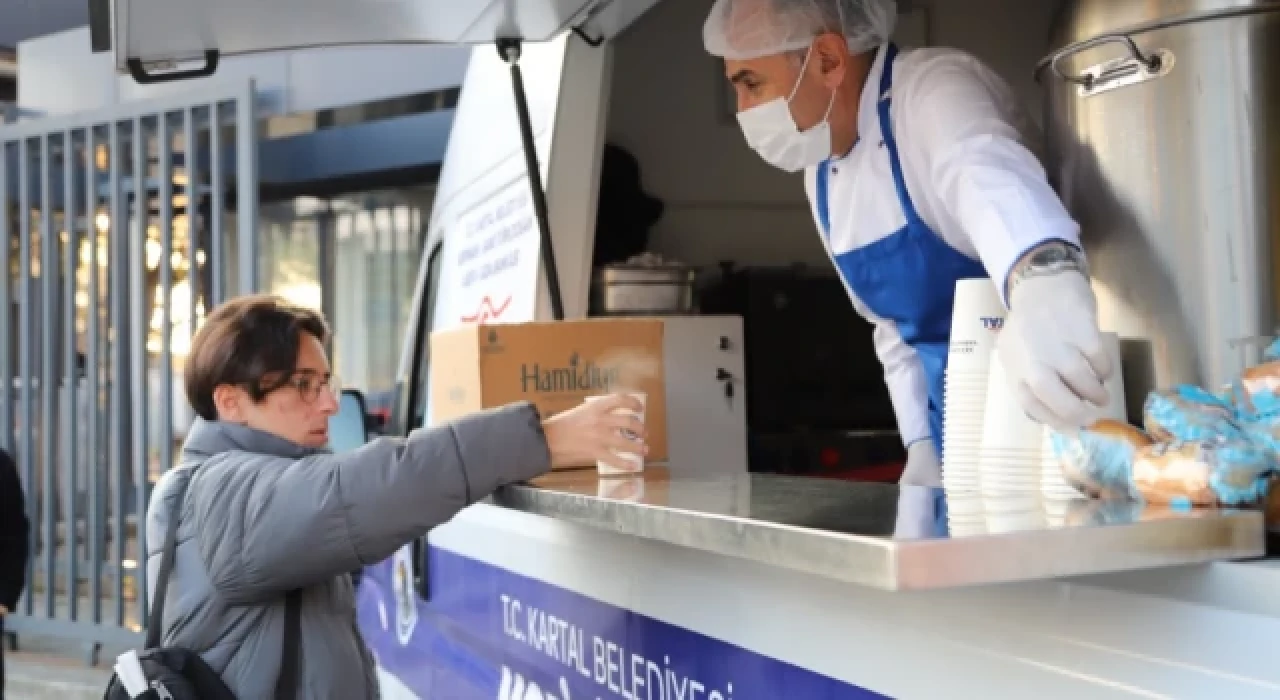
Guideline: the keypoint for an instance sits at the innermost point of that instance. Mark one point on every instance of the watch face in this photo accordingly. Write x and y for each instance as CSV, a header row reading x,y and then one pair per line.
x,y
1052,254
1057,255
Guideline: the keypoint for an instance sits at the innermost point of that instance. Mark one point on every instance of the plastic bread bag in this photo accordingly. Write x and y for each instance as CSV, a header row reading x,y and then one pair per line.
x,y
1255,394
1188,413
1098,461
1215,472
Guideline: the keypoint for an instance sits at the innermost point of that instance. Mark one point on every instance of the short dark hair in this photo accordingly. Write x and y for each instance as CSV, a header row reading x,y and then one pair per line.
x,y
243,343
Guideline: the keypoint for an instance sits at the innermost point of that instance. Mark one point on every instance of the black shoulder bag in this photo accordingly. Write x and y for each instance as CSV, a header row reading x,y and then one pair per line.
x,y
174,673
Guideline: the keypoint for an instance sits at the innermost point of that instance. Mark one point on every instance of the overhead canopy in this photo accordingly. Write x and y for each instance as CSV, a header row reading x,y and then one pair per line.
x,y
158,31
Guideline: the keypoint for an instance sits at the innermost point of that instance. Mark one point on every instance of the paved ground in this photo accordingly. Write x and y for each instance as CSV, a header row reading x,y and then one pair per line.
x,y
44,671
36,676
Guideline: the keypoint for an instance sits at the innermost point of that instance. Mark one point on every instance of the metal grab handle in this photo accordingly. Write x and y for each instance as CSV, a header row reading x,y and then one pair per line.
x,y
1153,63
140,75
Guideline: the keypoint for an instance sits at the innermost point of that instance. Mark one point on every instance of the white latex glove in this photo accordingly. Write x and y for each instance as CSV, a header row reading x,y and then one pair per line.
x,y
1052,350
917,518
923,467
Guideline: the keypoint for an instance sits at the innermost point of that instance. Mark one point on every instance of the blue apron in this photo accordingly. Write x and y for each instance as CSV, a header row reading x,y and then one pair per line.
x,y
908,277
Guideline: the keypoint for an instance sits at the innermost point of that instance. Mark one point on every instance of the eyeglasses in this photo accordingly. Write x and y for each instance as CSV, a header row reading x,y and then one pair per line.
x,y
310,387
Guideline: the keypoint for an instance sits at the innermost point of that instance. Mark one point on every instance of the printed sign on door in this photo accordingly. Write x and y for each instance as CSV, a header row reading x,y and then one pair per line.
x,y
491,261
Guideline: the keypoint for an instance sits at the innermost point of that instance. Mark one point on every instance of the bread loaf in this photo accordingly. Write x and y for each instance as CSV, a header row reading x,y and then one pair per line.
x,y
1264,377
1121,431
1188,414
1256,394
1220,471
1098,461
1173,473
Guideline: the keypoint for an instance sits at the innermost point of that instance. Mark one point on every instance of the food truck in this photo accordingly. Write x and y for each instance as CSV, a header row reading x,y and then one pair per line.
x,y
714,577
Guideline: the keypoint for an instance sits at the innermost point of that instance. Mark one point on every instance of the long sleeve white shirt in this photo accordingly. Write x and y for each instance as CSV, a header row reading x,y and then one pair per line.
x,y
964,148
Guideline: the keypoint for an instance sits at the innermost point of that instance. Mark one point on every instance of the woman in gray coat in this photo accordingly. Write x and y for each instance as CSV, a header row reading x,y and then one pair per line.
x,y
269,510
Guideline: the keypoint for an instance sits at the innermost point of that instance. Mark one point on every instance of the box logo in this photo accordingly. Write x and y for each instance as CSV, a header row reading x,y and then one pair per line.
x,y
575,376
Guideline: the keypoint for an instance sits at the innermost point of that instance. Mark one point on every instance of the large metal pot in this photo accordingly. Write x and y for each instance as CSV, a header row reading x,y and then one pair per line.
x,y
1163,130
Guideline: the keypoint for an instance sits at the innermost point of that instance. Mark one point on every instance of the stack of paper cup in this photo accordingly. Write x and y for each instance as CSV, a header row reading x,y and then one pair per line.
x,y
1053,484
1057,509
976,318
1014,512
635,459
965,514
1012,454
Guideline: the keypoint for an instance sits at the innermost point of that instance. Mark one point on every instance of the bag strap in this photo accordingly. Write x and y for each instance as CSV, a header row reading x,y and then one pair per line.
x,y
287,682
155,621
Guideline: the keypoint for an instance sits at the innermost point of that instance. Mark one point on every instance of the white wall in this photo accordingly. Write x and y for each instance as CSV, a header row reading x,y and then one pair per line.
x,y
58,74
669,106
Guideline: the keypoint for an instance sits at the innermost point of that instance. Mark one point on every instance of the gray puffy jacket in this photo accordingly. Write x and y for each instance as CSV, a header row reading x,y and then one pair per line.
x,y
264,516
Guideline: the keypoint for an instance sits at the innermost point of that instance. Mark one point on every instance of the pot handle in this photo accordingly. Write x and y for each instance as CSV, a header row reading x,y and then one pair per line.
x,y
1137,67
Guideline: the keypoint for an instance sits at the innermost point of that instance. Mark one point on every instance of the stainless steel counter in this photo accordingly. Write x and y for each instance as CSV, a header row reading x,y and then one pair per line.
x,y
890,538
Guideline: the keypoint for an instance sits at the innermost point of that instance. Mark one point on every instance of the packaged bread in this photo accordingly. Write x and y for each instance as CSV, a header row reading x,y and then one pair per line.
x,y
1219,471
1264,377
1263,431
1188,414
1256,394
1098,461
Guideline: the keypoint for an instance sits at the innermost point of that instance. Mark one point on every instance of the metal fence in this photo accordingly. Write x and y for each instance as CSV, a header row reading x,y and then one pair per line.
x,y
120,229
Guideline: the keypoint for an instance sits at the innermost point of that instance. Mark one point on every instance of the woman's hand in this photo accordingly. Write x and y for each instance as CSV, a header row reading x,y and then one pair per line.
x,y
594,431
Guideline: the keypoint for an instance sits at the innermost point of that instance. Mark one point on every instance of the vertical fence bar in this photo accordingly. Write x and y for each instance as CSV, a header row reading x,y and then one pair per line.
x,y
138,327
6,306
217,190
191,163
166,290
92,373
25,361
48,377
247,191
327,242
117,342
70,395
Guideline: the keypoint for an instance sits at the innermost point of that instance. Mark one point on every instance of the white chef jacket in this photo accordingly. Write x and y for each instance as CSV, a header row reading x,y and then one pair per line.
x,y
963,144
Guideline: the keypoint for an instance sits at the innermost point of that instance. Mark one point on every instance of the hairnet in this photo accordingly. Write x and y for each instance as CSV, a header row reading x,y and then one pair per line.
x,y
746,29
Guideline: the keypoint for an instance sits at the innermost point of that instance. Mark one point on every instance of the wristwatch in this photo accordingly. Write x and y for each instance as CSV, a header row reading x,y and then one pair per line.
x,y
1050,258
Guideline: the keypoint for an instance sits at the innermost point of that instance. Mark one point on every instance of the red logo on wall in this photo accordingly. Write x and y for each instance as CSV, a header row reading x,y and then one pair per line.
x,y
487,311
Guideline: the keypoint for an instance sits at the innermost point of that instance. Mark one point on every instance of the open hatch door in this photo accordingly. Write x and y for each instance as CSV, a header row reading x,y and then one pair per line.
x,y
150,36
167,40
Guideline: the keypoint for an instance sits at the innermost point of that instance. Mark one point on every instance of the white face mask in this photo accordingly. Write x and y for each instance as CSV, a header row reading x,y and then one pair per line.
x,y
771,131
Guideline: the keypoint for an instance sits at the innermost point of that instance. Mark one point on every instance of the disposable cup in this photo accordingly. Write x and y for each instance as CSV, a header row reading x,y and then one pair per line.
x,y
962,443
976,318
963,506
1012,472
977,391
994,484
965,380
1007,427
621,489
636,460
1015,522
1010,502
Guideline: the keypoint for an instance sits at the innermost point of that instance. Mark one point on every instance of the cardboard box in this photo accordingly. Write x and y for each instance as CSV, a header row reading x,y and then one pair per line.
x,y
555,365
